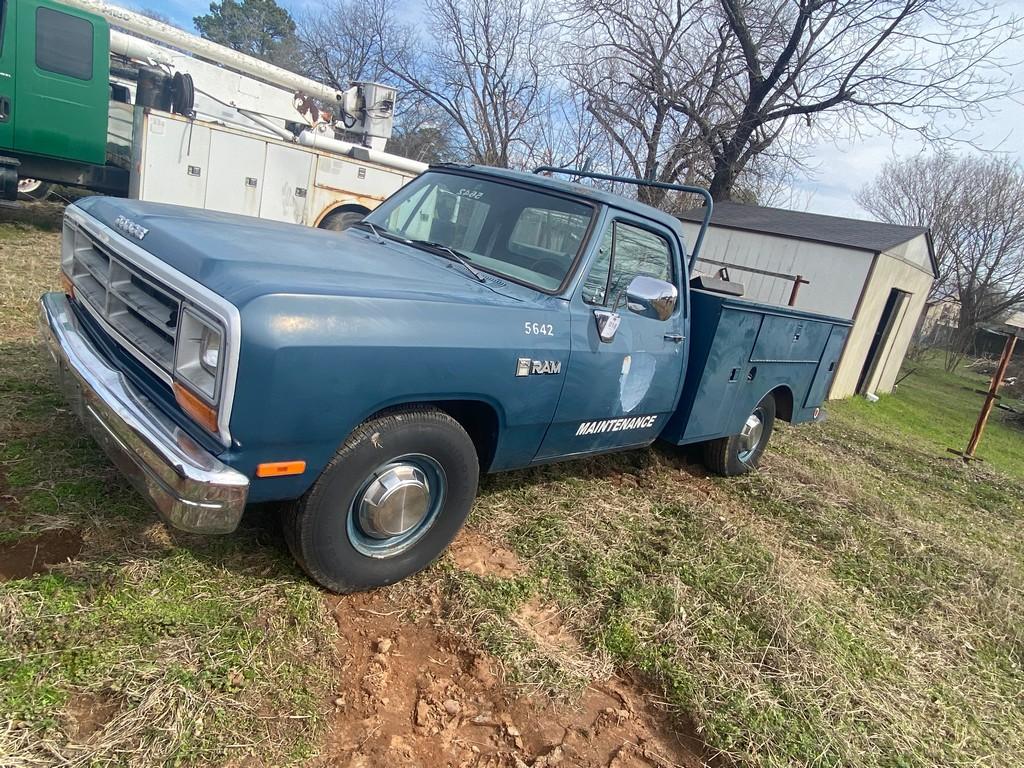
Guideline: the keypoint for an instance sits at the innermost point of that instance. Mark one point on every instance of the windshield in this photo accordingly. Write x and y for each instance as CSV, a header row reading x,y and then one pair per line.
x,y
523,234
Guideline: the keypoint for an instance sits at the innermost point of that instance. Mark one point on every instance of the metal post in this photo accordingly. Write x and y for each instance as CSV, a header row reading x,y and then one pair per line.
x,y
991,396
797,282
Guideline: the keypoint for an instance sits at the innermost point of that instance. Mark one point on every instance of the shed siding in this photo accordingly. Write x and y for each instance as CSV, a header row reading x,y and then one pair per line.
x,y
915,252
836,274
890,271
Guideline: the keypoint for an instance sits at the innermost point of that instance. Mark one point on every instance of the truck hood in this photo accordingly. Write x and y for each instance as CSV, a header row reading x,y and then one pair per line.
x,y
242,258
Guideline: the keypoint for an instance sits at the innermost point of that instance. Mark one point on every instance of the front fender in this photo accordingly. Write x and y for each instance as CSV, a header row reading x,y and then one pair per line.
x,y
312,368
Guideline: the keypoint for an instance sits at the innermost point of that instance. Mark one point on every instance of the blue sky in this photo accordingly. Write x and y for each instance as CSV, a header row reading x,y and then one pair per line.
x,y
181,12
837,169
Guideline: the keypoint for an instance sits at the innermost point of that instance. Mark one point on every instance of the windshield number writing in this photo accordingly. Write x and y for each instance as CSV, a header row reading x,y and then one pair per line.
x,y
538,329
472,194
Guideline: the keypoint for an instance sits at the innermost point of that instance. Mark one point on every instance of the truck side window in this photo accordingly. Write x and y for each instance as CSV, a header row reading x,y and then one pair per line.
x,y
3,22
596,283
626,251
63,44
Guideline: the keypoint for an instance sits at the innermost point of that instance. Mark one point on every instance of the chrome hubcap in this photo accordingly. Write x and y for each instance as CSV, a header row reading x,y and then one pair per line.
x,y
395,502
750,435
396,506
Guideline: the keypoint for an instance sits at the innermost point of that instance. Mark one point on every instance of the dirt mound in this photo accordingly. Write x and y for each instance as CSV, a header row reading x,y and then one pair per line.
x,y
410,695
473,552
87,713
23,558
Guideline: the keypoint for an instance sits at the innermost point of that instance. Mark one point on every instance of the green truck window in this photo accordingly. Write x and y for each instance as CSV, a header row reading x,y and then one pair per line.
x,y
3,23
63,44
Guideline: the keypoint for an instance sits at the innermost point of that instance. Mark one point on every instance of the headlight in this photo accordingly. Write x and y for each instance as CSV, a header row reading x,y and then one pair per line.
x,y
209,351
197,359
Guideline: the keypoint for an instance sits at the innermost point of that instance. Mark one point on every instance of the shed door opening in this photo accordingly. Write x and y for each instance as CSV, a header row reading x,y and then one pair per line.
x,y
888,324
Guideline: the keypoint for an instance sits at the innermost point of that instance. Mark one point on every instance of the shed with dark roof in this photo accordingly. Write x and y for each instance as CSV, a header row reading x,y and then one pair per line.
x,y
879,275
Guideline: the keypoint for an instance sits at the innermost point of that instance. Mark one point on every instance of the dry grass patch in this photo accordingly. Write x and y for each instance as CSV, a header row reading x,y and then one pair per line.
x,y
148,647
851,605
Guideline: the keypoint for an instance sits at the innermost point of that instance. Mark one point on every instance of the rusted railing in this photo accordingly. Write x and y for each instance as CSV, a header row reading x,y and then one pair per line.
x,y
797,280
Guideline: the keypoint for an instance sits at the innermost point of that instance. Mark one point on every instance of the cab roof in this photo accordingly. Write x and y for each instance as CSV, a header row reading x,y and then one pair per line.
x,y
568,188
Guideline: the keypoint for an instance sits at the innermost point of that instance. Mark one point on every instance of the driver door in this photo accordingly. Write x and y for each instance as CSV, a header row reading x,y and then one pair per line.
x,y
619,393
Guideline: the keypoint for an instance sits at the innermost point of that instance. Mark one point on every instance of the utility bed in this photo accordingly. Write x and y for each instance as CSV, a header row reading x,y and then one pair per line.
x,y
739,350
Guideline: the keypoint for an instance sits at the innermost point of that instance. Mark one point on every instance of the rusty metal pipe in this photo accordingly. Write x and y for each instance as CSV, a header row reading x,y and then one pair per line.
x,y
991,396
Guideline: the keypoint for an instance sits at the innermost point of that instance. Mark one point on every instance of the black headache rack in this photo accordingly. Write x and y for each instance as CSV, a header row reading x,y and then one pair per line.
x,y
709,204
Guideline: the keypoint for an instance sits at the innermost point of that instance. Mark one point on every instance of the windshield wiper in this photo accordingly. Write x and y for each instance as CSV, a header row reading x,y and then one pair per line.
x,y
453,255
372,227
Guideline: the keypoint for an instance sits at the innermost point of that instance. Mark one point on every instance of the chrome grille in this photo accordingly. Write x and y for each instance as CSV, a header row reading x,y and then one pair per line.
x,y
135,305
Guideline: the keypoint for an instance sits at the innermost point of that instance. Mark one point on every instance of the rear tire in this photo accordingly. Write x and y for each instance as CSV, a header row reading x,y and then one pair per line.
x,y
341,220
31,189
739,454
388,503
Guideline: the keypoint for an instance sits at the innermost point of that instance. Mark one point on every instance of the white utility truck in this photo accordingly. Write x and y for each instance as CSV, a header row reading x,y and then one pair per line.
x,y
100,97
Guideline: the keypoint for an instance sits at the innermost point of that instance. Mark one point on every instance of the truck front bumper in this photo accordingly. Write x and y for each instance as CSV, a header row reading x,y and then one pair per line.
x,y
189,487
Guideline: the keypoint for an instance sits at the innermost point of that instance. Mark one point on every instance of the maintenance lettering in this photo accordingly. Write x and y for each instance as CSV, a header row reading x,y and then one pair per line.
x,y
615,425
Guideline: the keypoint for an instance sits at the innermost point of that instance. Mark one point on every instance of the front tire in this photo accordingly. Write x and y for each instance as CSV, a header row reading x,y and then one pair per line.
x,y
739,454
388,503
339,221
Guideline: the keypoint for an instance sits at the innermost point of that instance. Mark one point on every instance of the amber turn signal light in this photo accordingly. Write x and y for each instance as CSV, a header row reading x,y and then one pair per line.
x,y
280,468
205,415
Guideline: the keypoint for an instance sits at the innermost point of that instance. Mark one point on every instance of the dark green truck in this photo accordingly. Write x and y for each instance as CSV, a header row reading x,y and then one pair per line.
x,y
55,93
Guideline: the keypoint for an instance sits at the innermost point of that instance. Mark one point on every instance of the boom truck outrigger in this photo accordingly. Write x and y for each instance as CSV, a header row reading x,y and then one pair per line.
x,y
96,96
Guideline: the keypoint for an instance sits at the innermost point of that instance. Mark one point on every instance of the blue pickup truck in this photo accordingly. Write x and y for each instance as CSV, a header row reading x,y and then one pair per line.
x,y
479,320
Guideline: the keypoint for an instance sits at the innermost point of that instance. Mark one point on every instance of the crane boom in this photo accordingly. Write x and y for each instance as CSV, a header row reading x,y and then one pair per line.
x,y
214,52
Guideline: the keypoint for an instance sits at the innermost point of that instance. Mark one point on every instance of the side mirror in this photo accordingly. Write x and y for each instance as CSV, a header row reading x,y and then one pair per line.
x,y
650,297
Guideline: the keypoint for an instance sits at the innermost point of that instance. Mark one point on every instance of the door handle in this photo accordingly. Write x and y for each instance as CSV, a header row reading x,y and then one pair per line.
x,y
676,337
5,109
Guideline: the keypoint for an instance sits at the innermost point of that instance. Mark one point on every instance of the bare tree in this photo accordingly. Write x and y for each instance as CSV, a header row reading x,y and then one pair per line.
x,y
563,134
741,75
900,63
988,255
974,207
631,61
343,41
347,40
923,191
485,68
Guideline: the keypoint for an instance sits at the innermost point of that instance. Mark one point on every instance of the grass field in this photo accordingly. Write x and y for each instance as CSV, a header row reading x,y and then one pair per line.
x,y
859,602
939,410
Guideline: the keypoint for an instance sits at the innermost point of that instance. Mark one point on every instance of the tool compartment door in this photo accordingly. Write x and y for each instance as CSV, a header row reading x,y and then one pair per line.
x,y
818,390
789,340
175,160
286,184
236,173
